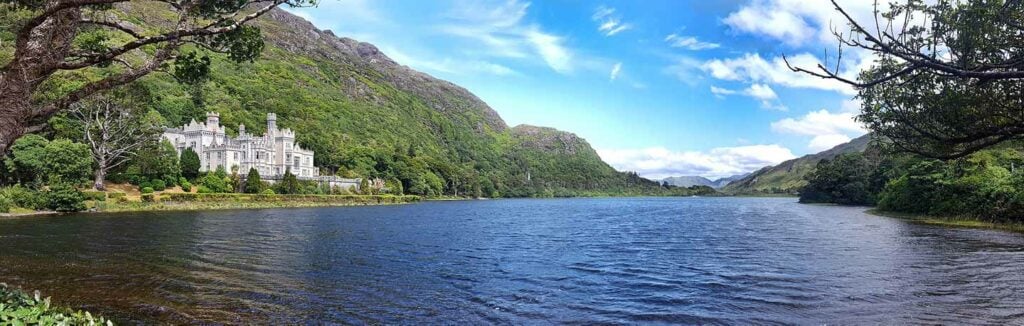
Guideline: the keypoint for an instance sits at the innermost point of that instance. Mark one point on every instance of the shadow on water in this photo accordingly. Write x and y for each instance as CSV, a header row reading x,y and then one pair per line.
x,y
622,260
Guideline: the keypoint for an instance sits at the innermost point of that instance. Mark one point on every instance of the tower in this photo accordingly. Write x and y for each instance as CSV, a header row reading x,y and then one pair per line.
x,y
271,122
212,119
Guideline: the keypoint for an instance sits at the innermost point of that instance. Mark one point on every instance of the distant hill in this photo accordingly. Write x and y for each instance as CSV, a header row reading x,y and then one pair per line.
x,y
693,180
788,177
687,181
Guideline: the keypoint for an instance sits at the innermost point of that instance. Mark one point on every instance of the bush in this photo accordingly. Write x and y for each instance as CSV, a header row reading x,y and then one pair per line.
x,y
5,203
145,184
25,197
148,197
18,308
63,197
95,195
268,191
147,190
159,184
186,186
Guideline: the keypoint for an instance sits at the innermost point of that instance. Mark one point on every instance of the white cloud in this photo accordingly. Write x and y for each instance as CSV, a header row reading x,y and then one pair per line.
x,y
685,69
827,129
751,67
795,22
447,65
689,42
608,23
760,92
658,162
499,28
616,69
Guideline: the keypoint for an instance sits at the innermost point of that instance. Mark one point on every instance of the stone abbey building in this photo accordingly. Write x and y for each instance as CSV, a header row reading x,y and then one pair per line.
x,y
271,153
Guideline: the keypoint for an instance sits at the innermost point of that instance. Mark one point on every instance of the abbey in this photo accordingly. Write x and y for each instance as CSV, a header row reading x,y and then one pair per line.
x,y
271,153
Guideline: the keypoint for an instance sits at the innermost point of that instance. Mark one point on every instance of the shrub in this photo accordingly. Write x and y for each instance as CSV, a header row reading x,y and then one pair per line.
x,y
94,195
186,186
159,184
268,191
25,197
18,308
214,183
145,184
5,203
63,197
148,197
147,190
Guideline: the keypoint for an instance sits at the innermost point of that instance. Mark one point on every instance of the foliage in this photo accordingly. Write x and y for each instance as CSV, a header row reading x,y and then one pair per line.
x,y
19,308
845,180
185,185
26,161
945,81
63,197
157,160
147,190
6,203
158,184
253,184
23,197
94,195
67,161
289,184
213,183
189,163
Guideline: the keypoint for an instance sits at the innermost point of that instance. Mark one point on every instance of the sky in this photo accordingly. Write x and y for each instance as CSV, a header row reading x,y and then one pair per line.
x,y
663,88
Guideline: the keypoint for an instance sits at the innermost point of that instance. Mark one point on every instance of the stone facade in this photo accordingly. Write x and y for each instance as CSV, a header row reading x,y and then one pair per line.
x,y
271,153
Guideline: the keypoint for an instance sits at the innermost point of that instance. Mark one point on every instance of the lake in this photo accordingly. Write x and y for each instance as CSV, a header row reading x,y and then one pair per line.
x,y
576,261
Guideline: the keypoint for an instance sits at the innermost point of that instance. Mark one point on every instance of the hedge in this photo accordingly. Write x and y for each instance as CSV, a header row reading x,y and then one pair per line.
x,y
215,197
95,195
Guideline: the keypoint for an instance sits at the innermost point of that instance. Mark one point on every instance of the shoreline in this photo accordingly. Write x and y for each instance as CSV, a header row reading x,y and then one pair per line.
x,y
226,202
958,222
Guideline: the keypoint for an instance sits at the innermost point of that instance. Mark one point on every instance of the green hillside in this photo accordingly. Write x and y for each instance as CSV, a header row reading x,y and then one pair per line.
x,y
788,177
365,115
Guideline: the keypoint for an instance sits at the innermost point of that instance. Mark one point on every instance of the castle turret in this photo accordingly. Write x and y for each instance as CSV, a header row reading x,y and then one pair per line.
x,y
271,122
212,119
241,130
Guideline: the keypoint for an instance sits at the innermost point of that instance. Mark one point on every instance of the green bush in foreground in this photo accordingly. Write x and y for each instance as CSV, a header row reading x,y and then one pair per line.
x,y
64,197
18,308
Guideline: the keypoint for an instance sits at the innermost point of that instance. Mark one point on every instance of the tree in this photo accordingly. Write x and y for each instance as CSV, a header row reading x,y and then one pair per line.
x,y
364,186
845,180
942,89
158,160
253,185
189,163
65,161
114,132
73,35
289,183
26,160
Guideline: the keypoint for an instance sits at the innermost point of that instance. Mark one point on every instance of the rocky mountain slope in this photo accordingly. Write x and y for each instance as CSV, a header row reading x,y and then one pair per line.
x,y
788,177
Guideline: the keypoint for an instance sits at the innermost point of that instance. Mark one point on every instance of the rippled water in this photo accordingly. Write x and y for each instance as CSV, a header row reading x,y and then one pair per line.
x,y
584,261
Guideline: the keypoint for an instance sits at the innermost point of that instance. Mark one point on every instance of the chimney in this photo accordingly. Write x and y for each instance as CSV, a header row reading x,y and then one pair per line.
x,y
271,122
212,119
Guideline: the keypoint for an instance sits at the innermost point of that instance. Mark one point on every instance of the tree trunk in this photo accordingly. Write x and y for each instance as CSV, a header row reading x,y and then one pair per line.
x,y
101,176
14,106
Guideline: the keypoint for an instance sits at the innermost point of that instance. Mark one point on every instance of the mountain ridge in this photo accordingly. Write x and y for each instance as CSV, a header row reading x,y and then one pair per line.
x,y
788,177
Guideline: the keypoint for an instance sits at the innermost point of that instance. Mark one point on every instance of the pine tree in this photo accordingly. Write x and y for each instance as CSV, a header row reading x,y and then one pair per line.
x,y
253,184
189,164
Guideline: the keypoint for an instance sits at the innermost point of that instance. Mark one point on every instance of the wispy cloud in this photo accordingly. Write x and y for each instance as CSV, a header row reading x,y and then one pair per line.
x,y
501,30
615,71
689,42
659,162
751,67
609,23
448,65
761,92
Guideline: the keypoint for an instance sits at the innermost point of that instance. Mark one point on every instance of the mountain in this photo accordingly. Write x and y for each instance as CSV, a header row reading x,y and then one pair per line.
x,y
722,182
366,115
788,177
687,181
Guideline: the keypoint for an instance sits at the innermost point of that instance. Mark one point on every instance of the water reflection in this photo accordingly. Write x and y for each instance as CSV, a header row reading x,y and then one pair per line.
x,y
682,260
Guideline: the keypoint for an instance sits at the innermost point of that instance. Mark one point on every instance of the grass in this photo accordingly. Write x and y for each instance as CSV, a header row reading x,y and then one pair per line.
x,y
960,222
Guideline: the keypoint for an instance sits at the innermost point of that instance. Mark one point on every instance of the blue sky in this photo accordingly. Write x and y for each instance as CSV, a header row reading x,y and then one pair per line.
x,y
664,88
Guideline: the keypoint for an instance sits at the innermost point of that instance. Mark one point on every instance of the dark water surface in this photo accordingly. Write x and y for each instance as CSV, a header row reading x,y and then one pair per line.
x,y
580,261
